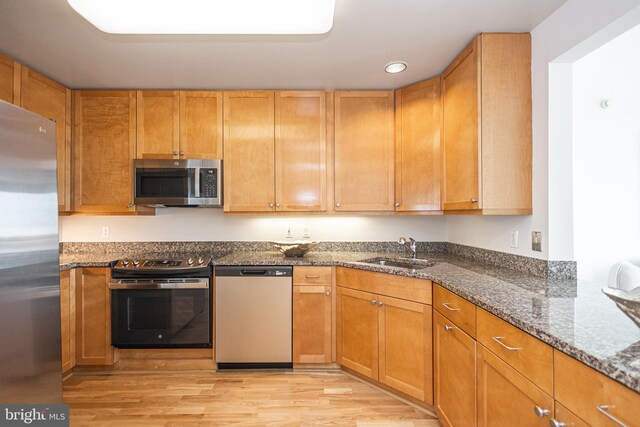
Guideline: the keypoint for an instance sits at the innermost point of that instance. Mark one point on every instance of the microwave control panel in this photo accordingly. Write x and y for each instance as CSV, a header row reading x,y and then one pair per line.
x,y
209,183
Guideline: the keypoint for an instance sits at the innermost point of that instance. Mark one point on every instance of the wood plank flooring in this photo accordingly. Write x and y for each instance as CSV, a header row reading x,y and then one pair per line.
x,y
235,398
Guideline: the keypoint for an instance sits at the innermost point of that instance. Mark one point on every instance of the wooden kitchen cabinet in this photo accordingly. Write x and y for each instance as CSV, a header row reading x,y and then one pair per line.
x,y
275,151
364,151
417,147
104,148
68,319
51,100
93,318
487,127
591,395
454,372
507,398
9,79
312,315
386,336
179,124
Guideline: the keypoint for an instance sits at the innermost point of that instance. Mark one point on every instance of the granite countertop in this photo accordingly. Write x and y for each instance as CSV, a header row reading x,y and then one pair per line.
x,y
572,316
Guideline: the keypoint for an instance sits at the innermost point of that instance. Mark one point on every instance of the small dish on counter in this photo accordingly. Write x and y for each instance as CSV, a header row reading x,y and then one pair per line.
x,y
627,301
295,248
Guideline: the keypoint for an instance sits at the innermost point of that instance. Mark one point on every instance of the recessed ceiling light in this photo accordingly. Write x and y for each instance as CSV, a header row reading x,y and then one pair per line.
x,y
395,67
208,16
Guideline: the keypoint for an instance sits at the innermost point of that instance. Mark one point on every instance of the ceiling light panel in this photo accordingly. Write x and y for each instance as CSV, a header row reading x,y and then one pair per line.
x,y
208,16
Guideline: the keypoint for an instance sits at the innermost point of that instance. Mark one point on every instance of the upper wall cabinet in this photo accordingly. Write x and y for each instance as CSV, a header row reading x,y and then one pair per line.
x,y
179,124
104,147
418,121
364,161
487,127
9,79
275,151
50,100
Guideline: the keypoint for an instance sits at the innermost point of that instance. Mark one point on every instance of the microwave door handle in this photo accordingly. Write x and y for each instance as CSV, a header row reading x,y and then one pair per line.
x,y
197,182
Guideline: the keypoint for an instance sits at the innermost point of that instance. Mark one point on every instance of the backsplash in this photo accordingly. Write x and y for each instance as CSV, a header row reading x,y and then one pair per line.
x,y
533,266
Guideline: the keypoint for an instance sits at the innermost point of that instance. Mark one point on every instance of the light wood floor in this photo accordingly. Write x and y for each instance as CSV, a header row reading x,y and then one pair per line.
x,y
235,398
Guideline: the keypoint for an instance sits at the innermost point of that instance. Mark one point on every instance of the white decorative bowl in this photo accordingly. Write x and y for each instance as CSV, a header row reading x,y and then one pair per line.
x,y
627,301
295,248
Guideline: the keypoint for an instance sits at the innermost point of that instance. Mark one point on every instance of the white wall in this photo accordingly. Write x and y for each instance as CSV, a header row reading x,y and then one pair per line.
x,y
176,224
606,157
576,28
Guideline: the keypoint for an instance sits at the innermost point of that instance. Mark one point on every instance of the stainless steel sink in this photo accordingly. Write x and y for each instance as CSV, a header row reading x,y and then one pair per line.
x,y
408,264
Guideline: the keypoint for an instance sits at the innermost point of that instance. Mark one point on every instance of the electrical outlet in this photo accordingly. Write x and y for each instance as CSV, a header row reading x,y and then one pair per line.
x,y
105,232
514,238
536,241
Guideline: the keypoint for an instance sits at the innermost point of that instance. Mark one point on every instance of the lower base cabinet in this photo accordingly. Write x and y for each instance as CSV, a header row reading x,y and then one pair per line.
x,y
386,339
93,317
312,324
454,371
506,397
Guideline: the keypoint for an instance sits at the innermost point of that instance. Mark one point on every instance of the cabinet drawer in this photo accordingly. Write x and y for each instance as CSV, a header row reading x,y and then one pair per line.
x,y
455,308
591,395
528,355
311,275
418,290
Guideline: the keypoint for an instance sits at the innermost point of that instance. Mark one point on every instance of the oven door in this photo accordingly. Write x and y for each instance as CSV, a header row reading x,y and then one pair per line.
x,y
161,313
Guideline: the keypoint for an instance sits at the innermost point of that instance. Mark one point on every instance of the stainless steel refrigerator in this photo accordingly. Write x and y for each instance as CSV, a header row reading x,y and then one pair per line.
x,y
30,358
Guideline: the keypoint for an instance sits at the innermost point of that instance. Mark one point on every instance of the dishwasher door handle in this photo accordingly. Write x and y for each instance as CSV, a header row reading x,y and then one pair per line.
x,y
253,272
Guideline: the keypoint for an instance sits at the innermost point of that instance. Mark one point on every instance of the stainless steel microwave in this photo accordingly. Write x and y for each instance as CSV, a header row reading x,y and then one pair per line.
x,y
169,182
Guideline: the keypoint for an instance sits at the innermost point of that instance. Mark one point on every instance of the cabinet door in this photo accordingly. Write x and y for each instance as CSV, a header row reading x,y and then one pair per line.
x,y
312,324
405,347
104,148
505,397
67,319
157,124
93,322
461,132
201,125
7,78
50,100
364,163
357,331
418,147
249,168
454,371
301,151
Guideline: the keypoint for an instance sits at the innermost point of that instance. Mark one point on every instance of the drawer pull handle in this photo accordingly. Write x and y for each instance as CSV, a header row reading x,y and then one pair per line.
x,y
447,306
373,302
449,328
604,410
312,277
497,339
555,423
540,412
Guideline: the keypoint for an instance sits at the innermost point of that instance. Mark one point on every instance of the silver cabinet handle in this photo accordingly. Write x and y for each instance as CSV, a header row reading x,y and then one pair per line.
x,y
604,410
474,200
337,205
130,205
327,293
379,303
312,277
541,412
270,205
397,204
555,423
175,153
448,328
277,205
182,153
373,302
497,339
448,307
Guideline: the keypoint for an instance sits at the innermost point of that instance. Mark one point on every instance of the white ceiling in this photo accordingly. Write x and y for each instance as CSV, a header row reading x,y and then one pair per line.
x,y
50,37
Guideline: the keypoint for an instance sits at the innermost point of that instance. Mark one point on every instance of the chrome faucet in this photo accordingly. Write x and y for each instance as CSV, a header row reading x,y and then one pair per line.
x,y
410,244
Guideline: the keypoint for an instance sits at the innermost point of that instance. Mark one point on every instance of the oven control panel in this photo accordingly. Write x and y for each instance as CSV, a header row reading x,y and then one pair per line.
x,y
162,264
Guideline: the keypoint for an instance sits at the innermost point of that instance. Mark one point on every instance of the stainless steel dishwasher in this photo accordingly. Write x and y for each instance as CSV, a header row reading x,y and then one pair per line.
x,y
253,317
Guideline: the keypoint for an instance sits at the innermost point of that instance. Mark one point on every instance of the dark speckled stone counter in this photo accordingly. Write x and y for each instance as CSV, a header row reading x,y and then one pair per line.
x,y
574,317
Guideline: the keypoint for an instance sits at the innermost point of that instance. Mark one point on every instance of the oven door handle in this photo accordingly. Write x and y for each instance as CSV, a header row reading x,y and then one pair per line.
x,y
200,284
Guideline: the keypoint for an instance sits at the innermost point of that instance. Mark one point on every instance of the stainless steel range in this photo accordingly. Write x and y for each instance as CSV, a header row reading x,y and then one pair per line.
x,y
161,303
